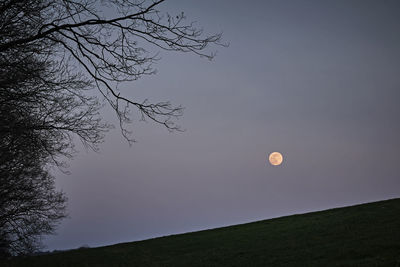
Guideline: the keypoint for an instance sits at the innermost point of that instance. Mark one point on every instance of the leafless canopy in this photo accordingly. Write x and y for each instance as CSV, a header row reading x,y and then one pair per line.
x,y
29,204
109,40
52,54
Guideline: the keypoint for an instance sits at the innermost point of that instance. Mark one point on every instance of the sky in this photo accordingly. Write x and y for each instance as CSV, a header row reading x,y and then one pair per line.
x,y
315,80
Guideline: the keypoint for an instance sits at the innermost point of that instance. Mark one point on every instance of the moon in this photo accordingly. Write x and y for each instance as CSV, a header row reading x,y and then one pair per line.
x,y
275,158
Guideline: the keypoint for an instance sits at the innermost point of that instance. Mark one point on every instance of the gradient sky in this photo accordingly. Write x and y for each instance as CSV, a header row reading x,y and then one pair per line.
x,y
316,80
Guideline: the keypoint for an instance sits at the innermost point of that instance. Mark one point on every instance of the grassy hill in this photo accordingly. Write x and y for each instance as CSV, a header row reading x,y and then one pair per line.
x,y
362,235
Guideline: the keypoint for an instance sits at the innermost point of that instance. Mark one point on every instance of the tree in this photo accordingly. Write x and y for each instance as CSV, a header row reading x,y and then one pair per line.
x,y
29,204
29,139
53,53
29,207
108,40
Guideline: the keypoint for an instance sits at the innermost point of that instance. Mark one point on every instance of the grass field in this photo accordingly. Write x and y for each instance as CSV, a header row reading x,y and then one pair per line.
x,y
362,235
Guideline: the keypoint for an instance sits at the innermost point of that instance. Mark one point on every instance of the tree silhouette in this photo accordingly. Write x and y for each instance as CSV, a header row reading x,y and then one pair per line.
x,y
53,53
108,41
29,204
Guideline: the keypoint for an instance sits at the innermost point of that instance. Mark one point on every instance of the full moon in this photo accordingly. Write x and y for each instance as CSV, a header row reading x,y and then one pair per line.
x,y
275,158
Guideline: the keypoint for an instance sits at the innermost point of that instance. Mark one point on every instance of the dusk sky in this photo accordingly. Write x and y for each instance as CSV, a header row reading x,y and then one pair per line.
x,y
318,81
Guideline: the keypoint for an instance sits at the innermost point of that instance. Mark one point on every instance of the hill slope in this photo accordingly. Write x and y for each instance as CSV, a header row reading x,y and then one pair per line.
x,y
362,235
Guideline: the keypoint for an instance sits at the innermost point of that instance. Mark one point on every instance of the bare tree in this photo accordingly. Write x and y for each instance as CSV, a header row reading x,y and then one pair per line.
x,y
30,207
109,40
29,204
46,98
52,54
37,117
